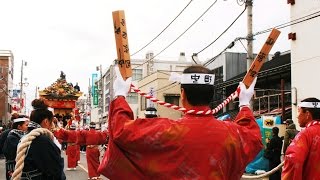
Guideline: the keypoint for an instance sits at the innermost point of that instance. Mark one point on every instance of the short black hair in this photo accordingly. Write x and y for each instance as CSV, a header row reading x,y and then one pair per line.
x,y
275,131
315,112
289,121
198,94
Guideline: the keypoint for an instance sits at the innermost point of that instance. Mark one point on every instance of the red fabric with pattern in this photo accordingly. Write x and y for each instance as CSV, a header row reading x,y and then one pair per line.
x,y
302,158
193,147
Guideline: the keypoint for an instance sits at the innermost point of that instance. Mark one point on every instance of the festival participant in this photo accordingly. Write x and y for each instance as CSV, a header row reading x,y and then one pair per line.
x,y
43,159
70,137
196,146
289,134
150,112
4,134
19,128
302,157
92,139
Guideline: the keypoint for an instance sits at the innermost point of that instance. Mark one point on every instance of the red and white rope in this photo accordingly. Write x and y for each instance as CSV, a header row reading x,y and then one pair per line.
x,y
191,111
313,123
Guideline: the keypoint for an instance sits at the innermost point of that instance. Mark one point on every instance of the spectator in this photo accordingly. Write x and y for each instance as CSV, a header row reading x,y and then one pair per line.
x,y
289,135
19,128
273,153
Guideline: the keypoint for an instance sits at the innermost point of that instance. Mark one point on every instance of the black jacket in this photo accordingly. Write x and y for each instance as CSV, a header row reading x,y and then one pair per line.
x,y
45,157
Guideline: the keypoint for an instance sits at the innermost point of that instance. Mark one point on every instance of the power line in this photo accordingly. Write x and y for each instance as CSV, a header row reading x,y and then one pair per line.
x,y
181,33
171,85
187,28
228,47
223,31
293,22
162,30
166,87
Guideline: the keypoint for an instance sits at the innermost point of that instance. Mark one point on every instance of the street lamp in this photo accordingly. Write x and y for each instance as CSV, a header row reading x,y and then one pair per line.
x,y
23,63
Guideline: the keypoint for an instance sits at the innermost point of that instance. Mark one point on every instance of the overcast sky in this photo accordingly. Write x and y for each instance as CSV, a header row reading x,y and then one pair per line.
x,y
75,36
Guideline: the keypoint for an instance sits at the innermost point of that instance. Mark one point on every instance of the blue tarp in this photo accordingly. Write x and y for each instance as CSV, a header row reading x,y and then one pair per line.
x,y
261,163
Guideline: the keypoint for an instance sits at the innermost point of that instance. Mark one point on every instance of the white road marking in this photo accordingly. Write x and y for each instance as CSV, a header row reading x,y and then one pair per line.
x,y
83,168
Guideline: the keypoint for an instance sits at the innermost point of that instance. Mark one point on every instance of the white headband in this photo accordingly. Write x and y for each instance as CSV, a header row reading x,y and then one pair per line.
x,y
193,78
150,112
20,120
310,104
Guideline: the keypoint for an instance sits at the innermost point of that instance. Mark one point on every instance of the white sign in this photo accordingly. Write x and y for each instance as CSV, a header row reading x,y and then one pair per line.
x,y
269,121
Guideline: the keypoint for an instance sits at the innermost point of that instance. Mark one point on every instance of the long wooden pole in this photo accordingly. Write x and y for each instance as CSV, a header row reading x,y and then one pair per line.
x,y
260,58
121,37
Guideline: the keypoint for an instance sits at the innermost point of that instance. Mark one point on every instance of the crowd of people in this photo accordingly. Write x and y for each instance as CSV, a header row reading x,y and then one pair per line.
x,y
196,146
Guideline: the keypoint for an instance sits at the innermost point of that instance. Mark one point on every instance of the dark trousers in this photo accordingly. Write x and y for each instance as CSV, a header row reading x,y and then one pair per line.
x,y
272,164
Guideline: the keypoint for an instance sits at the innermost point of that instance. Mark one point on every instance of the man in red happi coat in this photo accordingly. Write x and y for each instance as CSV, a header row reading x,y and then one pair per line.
x,y
70,137
92,139
302,158
192,147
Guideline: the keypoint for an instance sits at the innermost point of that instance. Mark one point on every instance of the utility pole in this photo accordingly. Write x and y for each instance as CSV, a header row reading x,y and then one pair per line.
x,y
36,93
21,87
23,63
249,38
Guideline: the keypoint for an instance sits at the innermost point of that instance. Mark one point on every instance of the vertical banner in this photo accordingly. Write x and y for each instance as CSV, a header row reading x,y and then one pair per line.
x,y
95,95
121,37
94,90
151,93
268,122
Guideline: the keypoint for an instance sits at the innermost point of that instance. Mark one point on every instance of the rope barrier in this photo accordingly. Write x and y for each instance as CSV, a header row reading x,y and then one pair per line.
x,y
23,147
175,107
264,174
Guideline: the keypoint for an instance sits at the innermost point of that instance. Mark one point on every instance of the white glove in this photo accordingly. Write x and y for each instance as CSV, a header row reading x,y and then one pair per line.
x,y
121,87
245,94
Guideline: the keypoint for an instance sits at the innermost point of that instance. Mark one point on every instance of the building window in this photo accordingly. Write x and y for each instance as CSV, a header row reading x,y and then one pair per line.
x,y
132,98
143,104
136,74
172,99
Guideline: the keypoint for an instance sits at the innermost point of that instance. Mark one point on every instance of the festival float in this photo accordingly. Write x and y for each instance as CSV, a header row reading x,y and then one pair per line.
x,y
61,96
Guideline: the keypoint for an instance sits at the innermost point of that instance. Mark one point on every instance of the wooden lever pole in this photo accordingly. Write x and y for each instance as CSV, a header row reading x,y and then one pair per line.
x,y
260,58
121,36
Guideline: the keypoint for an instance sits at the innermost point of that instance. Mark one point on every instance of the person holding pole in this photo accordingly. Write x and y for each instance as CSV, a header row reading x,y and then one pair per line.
x,y
197,146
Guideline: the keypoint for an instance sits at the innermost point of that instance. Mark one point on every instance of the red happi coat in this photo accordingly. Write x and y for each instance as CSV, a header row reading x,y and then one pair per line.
x,y
73,149
193,147
302,158
92,139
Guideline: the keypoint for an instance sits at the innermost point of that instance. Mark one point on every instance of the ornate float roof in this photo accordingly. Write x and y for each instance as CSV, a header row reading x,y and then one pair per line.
x,y
61,90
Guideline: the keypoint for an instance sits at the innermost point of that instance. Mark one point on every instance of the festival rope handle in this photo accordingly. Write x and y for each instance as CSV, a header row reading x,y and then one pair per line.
x,y
264,174
23,147
175,107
